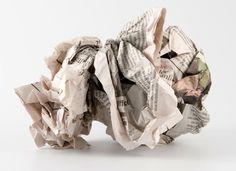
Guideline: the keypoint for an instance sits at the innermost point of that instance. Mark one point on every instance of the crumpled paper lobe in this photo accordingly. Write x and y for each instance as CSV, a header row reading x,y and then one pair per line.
x,y
146,86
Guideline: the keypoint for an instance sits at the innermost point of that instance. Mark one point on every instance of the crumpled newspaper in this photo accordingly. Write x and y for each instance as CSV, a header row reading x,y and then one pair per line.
x,y
146,86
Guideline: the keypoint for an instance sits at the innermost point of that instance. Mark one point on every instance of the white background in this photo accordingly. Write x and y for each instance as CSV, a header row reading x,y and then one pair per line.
x,y
30,29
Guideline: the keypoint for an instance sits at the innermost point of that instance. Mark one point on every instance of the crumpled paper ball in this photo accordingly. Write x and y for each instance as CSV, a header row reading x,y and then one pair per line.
x,y
146,86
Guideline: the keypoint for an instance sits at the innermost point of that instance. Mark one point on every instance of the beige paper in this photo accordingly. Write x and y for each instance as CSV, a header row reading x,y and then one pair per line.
x,y
146,86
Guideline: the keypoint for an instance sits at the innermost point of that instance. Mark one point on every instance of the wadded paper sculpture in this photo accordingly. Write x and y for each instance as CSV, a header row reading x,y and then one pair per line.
x,y
146,86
